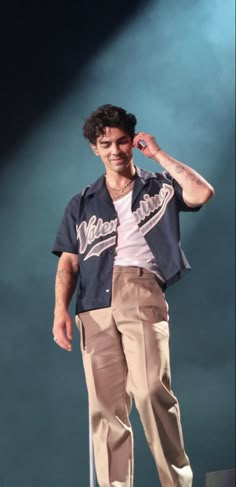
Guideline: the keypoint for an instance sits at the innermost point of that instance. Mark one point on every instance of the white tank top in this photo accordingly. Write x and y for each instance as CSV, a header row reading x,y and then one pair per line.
x,y
131,247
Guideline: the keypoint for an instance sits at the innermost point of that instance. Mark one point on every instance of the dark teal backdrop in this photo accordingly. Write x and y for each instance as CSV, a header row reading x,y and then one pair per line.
x,y
172,64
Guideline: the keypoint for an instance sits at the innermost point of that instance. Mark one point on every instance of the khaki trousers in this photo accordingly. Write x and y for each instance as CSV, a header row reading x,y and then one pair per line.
x,y
125,351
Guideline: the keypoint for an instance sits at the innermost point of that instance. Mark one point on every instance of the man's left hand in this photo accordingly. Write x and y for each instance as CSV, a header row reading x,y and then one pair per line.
x,y
147,144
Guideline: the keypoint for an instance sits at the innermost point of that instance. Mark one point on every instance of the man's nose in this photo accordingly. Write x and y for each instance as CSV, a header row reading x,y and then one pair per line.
x,y
115,148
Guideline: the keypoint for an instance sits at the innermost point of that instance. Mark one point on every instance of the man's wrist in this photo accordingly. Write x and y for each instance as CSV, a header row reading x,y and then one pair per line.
x,y
157,153
60,308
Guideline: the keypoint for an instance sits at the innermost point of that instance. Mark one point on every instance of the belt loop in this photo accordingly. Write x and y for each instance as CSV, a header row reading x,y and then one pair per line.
x,y
139,271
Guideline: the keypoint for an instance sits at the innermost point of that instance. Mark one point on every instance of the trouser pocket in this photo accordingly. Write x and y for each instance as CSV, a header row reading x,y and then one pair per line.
x,y
80,327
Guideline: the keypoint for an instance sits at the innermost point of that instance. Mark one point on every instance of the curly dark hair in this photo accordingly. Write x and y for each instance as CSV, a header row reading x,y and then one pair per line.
x,y
108,116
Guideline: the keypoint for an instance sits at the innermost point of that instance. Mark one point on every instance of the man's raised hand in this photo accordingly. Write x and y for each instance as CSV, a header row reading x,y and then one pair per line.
x,y
147,144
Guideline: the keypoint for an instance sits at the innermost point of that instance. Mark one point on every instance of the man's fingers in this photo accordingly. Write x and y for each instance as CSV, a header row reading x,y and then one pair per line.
x,y
140,141
146,143
62,330
140,145
137,141
62,341
69,330
63,344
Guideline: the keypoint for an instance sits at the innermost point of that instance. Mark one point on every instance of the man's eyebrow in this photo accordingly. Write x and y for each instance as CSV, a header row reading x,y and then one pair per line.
x,y
123,137
102,141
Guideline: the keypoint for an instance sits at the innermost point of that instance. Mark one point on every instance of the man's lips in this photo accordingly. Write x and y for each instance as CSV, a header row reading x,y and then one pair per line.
x,y
117,159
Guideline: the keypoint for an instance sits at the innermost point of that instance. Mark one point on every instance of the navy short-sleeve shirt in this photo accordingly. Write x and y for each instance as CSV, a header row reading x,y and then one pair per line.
x,y
89,230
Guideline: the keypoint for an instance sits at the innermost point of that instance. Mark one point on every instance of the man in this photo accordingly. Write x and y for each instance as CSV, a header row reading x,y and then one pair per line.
x,y
121,237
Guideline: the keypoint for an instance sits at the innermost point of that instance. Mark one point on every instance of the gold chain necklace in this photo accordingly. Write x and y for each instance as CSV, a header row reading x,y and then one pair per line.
x,y
121,190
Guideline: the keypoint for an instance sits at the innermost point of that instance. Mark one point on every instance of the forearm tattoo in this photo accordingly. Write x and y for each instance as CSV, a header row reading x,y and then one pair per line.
x,y
65,285
179,169
66,277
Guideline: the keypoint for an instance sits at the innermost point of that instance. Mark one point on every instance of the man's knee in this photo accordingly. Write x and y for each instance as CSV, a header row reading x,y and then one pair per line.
x,y
156,393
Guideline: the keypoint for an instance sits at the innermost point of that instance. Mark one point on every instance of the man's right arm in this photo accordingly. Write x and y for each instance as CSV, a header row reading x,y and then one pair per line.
x,y
65,284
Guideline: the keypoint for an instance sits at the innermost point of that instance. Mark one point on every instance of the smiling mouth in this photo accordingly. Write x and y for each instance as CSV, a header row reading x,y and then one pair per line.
x,y
117,159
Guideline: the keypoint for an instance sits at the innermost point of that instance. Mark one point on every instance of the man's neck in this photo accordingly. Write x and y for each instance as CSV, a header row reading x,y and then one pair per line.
x,y
117,179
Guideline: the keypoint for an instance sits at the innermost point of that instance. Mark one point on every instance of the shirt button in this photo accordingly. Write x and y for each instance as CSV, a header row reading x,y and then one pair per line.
x,y
107,290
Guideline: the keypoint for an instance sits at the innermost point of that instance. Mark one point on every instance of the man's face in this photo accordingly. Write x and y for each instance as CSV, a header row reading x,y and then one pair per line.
x,y
114,147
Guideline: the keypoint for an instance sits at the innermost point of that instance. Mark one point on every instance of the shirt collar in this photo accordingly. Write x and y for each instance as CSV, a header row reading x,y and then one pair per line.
x,y
141,176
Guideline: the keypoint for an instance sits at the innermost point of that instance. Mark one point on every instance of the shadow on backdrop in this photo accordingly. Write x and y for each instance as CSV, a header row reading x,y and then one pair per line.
x,y
44,46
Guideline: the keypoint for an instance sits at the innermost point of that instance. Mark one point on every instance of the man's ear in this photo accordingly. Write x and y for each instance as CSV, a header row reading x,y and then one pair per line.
x,y
94,149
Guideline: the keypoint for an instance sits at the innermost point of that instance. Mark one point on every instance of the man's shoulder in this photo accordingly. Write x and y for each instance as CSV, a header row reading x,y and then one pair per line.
x,y
90,188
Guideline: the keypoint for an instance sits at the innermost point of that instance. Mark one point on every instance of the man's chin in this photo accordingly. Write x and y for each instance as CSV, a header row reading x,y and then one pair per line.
x,y
121,166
